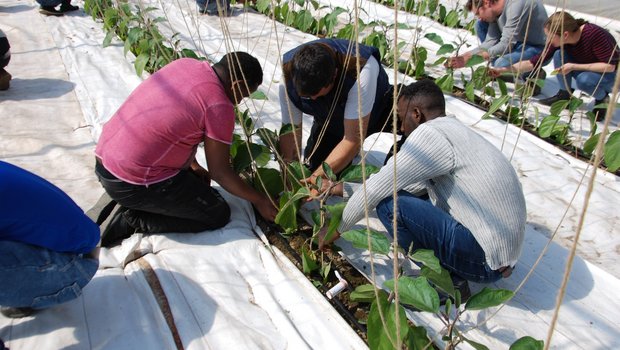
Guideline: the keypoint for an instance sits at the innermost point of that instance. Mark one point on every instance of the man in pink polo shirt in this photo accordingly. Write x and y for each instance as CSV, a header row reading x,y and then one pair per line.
x,y
146,153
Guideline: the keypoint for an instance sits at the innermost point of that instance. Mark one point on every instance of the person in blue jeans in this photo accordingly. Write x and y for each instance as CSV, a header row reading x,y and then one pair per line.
x,y
509,31
457,194
210,7
47,244
583,53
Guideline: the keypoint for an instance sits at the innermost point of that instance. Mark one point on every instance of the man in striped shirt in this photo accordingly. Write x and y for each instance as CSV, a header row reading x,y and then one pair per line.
x,y
474,216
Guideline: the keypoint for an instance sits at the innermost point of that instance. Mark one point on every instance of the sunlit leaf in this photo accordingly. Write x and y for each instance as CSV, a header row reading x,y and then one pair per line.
x,y
474,60
258,95
475,345
335,216
612,151
416,292
364,293
428,258
418,339
359,238
496,105
353,173
547,125
488,297
558,106
441,280
434,38
590,144
379,334
445,48
328,171
141,62
527,343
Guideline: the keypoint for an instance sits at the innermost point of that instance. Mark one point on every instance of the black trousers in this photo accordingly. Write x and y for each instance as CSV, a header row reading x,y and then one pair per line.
x,y
183,203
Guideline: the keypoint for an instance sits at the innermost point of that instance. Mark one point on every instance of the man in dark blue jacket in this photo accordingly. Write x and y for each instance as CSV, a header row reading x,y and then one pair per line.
x,y
47,244
321,79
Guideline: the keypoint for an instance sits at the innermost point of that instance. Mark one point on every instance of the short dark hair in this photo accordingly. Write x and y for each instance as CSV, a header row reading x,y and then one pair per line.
x,y
469,5
242,66
426,95
314,66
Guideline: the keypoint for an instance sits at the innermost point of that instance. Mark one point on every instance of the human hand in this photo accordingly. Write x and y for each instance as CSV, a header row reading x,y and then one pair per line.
x,y
565,68
325,240
455,62
266,209
496,72
312,181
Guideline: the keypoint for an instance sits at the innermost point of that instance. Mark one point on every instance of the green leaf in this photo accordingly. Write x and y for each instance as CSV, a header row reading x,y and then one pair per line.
x,y
379,335
359,238
496,105
546,127
270,179
287,216
574,103
427,257
364,293
590,144
434,38
416,292
308,262
328,171
441,280
612,151
488,297
286,129
268,137
475,345
527,343
470,92
418,339
502,87
258,95
444,49
353,173
446,83
335,216
108,38
141,62
263,6
558,106
474,60
246,154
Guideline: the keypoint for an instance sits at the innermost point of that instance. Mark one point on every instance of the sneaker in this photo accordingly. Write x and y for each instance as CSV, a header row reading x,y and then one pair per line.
x,y
561,95
600,112
67,7
16,312
5,79
50,11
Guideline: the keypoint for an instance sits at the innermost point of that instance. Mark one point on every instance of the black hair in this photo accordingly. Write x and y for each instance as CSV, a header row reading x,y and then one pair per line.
x,y
426,95
314,67
241,65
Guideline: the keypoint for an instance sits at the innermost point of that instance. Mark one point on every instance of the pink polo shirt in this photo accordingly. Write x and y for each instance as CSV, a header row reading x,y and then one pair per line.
x,y
156,132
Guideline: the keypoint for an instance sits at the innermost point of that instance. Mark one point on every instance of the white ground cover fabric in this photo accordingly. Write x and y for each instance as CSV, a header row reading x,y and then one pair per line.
x,y
224,288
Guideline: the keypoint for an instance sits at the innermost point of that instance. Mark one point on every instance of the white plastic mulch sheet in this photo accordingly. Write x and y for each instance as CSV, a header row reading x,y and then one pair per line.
x,y
224,289
214,290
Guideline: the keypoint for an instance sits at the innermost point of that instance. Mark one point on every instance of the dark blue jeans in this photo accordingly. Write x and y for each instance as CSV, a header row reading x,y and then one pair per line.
x,y
183,203
421,225
586,81
39,278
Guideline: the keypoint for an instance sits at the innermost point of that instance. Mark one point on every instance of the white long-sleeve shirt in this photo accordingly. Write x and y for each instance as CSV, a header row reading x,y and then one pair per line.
x,y
465,176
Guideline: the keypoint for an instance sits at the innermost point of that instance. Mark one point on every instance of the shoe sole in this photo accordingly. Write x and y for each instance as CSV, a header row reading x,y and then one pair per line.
x,y
50,13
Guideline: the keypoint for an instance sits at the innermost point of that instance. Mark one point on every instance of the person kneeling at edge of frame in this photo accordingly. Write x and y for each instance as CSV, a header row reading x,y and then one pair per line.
x,y
473,208
48,246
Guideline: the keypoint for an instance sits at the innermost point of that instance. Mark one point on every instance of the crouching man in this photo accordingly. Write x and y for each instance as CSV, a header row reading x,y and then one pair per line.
x,y
47,244
474,215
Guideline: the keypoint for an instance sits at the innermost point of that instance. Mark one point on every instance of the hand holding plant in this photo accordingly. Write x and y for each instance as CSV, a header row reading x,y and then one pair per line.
x,y
326,238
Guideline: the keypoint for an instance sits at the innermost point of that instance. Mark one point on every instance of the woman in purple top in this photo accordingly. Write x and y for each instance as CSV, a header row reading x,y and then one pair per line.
x,y
146,153
581,51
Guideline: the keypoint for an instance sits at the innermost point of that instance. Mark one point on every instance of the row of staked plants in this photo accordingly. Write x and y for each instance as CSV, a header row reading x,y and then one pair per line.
x,y
253,153
479,87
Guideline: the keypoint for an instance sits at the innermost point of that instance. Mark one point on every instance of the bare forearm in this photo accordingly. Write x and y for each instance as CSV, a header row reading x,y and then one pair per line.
x,y
598,67
232,183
